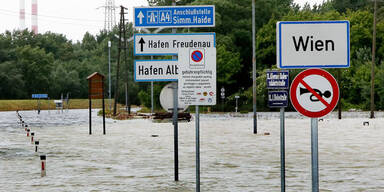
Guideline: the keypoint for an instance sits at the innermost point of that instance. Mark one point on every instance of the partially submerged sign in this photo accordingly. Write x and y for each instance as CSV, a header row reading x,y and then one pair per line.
x,y
166,98
169,43
313,44
174,16
197,77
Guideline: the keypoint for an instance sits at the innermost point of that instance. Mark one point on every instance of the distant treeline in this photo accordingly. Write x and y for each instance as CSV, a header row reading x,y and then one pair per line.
x,y
50,63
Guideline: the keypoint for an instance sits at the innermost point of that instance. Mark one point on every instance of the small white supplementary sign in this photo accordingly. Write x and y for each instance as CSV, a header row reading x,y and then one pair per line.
x,y
197,76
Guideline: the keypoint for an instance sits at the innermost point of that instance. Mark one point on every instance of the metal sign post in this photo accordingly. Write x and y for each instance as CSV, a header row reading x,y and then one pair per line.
x,y
173,16
282,149
197,149
314,93
315,155
175,117
279,82
201,62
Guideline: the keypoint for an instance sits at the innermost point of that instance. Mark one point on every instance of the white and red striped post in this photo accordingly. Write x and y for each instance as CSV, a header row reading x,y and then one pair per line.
x,y
28,132
25,127
43,165
22,14
34,16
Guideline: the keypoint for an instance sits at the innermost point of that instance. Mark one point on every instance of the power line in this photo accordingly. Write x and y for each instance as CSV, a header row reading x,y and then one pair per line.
x,y
51,16
52,21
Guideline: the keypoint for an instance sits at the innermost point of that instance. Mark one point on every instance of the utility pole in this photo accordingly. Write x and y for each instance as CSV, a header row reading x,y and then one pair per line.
x,y
127,103
373,62
254,67
121,24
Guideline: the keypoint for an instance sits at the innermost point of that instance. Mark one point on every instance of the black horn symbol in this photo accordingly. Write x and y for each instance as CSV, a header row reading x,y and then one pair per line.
x,y
313,98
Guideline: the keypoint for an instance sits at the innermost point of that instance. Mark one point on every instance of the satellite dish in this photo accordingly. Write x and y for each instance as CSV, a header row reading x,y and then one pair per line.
x,y
166,98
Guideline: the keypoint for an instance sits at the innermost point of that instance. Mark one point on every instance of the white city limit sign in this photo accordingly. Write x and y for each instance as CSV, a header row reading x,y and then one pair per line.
x,y
170,43
313,44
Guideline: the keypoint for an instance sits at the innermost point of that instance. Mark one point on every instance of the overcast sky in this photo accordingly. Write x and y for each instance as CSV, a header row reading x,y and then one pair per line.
x,y
69,17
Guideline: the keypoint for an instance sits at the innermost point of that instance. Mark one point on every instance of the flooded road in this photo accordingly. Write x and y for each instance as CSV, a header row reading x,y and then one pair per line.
x,y
128,158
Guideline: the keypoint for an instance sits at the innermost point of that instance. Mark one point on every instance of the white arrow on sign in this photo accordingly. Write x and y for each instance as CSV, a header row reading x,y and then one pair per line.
x,y
140,16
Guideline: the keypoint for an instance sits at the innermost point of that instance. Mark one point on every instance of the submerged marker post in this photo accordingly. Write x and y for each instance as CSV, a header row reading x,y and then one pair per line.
x,y
36,145
43,165
32,135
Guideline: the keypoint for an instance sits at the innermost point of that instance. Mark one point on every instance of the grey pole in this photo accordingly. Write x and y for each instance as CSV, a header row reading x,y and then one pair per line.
x,y
236,105
175,111
254,67
109,75
197,149
372,115
152,92
282,148
315,155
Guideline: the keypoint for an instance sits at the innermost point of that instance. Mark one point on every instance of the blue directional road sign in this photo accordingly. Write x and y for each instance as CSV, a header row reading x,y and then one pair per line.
x,y
277,79
174,16
39,96
277,99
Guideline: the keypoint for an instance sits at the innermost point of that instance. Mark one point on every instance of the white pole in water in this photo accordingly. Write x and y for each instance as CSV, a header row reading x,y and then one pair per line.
x,y
43,165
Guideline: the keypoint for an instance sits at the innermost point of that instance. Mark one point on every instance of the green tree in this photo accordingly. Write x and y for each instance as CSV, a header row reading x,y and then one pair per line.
x,y
35,65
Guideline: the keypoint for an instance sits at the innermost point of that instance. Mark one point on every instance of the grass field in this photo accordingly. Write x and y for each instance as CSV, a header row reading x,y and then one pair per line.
x,y
13,105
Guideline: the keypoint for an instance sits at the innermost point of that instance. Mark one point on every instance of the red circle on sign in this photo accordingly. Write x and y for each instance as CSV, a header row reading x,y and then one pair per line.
x,y
329,106
197,56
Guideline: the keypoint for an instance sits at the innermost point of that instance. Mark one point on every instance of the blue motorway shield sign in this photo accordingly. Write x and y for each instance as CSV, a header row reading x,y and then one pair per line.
x,y
174,16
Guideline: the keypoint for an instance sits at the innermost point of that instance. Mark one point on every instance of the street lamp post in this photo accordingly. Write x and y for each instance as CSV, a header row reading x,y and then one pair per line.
x,y
109,75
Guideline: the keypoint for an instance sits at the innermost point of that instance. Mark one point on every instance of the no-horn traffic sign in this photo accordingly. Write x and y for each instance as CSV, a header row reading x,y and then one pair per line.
x,y
314,93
